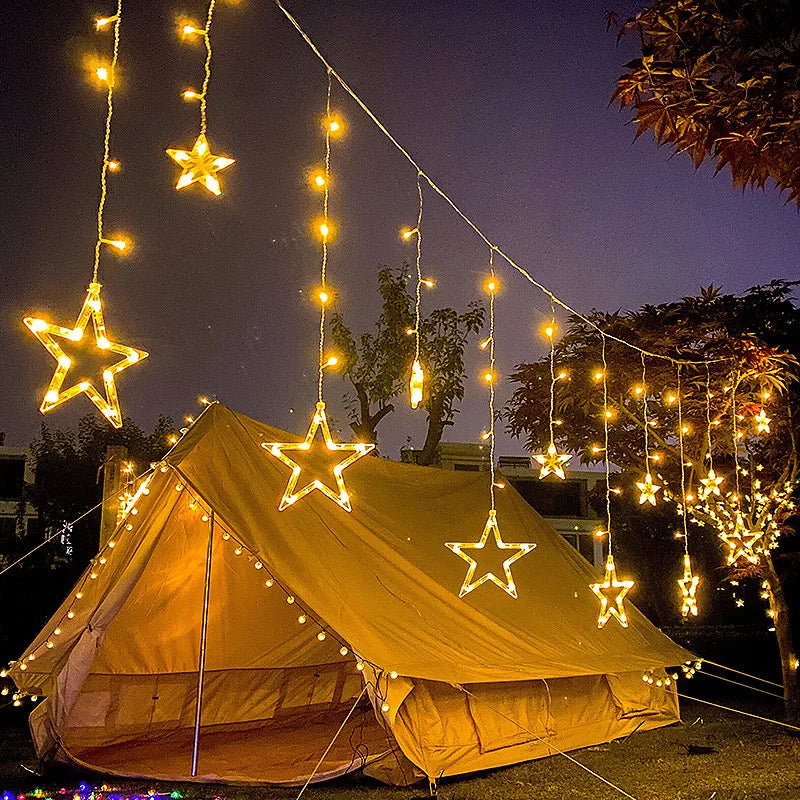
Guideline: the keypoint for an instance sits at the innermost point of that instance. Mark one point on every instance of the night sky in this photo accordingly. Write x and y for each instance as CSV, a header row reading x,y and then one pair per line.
x,y
505,105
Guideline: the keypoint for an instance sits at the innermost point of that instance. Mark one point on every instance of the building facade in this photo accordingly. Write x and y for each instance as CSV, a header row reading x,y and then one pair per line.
x,y
15,471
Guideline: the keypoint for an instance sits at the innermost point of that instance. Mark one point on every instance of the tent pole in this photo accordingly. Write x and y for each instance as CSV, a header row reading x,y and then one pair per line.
x,y
201,671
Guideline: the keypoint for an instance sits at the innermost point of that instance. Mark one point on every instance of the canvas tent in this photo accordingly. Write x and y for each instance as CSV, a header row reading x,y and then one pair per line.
x,y
201,599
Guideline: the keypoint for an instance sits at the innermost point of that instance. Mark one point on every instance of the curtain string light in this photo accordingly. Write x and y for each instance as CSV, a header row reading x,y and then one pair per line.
x,y
688,584
200,165
436,188
92,308
333,486
610,591
324,230
517,550
712,481
646,486
552,462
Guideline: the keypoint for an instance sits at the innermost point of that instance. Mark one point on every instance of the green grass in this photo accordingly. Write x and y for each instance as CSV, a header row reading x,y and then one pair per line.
x,y
752,760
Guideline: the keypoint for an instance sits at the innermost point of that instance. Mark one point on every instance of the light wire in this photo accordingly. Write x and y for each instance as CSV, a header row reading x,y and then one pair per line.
x,y
112,77
684,510
491,382
605,443
324,265
521,270
206,65
552,338
418,296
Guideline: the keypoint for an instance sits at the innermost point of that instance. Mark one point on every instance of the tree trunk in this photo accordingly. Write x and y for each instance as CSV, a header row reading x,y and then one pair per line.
x,y
365,428
783,633
436,424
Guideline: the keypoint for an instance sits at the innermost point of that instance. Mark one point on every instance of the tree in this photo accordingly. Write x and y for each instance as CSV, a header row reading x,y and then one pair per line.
x,y
67,486
720,80
378,365
746,344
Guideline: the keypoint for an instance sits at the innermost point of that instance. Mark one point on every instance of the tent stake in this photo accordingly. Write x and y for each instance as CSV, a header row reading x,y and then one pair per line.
x,y
201,671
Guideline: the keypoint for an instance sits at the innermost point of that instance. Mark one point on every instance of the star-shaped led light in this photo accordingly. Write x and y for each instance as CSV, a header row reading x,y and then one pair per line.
x,y
740,543
762,421
552,462
519,549
611,593
648,490
688,586
199,165
47,333
711,484
340,496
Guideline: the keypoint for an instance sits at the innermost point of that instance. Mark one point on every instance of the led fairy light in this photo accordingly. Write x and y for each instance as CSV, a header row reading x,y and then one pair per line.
x,y
416,383
646,486
552,462
688,583
610,591
92,309
516,550
200,165
712,481
332,125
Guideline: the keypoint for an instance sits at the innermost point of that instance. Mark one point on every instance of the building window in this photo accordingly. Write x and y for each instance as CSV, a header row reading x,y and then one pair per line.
x,y
8,528
554,498
12,478
467,467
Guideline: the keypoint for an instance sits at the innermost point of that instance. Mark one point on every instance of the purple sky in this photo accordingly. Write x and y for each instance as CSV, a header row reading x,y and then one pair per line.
x,y
504,104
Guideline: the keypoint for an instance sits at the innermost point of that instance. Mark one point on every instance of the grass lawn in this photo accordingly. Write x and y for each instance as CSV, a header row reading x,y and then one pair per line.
x,y
751,760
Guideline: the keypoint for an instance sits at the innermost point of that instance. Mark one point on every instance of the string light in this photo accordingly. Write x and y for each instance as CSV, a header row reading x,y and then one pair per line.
x,y
762,422
712,482
688,584
200,165
491,286
92,309
610,591
646,486
355,450
552,462
416,385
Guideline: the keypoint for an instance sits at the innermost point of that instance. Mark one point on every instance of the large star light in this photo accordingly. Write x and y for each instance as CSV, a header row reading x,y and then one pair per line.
x,y
611,593
740,543
199,165
47,333
519,549
339,495
552,462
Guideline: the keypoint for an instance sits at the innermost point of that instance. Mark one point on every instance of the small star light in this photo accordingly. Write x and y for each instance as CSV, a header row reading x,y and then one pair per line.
x,y
711,484
416,384
521,549
611,593
340,496
552,462
648,490
47,333
762,421
740,543
199,165
688,586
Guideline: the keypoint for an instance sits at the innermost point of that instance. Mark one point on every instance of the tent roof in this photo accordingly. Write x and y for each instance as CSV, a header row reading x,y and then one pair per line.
x,y
382,578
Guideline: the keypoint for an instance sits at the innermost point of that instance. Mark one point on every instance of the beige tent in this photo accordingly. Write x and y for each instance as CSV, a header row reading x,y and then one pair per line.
x,y
219,639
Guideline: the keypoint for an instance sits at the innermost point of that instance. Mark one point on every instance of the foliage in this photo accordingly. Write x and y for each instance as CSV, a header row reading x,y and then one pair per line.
x,y
378,364
68,484
720,80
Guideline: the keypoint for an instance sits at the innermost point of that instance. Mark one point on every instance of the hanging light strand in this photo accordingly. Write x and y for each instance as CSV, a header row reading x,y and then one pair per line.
x,y
206,67
735,421
416,383
112,76
688,584
324,229
708,420
436,188
684,513
646,486
552,337
492,291
606,461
